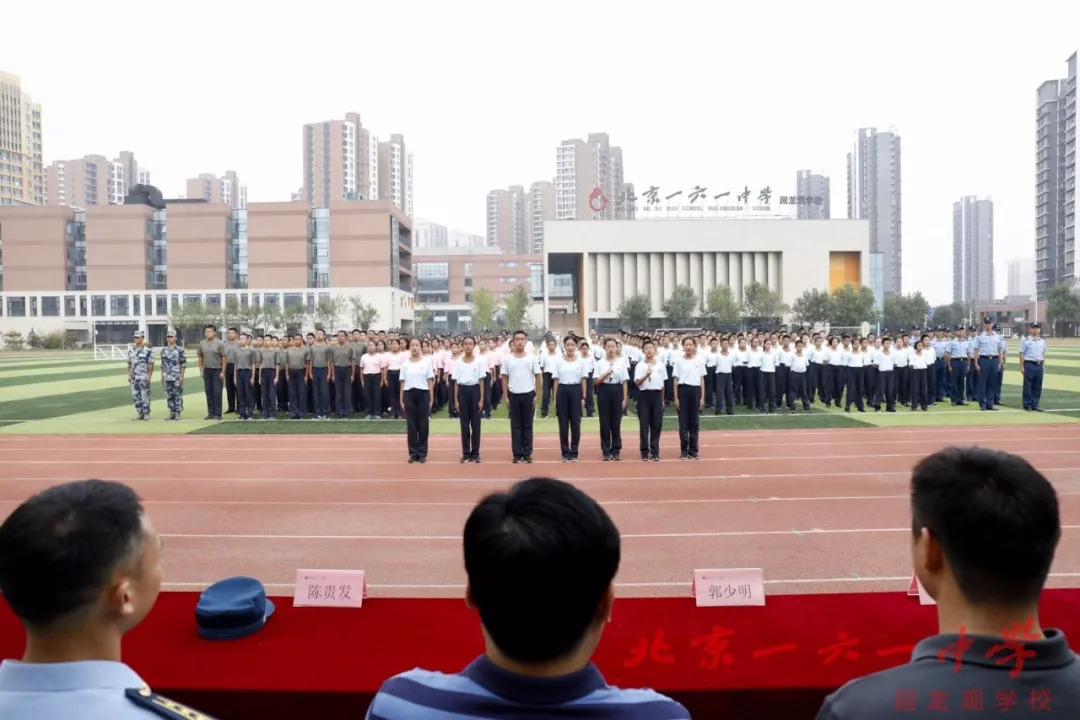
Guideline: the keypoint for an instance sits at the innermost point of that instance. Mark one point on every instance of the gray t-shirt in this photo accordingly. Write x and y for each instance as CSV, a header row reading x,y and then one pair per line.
x,y
268,358
231,346
320,356
298,357
211,352
244,358
281,358
341,355
359,349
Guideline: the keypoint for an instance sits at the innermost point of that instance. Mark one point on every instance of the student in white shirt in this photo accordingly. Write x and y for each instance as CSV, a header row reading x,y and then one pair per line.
x,y
586,354
767,378
610,376
650,375
886,377
752,390
520,380
725,365
856,359
919,373
797,377
902,369
869,371
689,374
549,363
783,350
739,372
416,397
930,353
819,372
569,386
710,369
470,372
834,367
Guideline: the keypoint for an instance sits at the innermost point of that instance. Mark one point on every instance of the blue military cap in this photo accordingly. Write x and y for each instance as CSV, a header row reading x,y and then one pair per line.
x,y
971,328
1036,325
987,319
959,327
232,608
996,326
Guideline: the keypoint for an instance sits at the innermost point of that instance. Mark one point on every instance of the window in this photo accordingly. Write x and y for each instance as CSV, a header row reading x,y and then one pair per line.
x,y
213,301
291,300
69,306
97,305
272,300
192,299
16,307
50,306
136,305
33,307
82,306
118,304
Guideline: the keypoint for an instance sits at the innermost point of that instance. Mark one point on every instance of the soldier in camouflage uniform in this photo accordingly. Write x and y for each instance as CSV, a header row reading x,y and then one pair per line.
x,y
173,364
140,372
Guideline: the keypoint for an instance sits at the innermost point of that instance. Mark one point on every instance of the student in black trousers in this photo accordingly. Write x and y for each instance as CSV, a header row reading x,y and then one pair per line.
x,y
548,363
416,397
298,362
689,373
725,364
649,377
886,381
519,379
471,381
918,381
372,369
568,383
610,377
585,352
798,385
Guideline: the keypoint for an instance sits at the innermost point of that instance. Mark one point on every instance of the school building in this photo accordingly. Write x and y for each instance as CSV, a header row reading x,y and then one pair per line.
x,y
606,262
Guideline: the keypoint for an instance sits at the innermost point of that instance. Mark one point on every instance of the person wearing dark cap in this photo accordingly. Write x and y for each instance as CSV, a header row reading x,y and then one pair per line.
x,y
80,567
1032,357
956,364
1003,361
987,350
173,365
540,561
972,353
985,528
140,370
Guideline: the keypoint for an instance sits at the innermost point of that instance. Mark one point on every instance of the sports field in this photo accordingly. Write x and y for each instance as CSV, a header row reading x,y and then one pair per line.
x,y
71,393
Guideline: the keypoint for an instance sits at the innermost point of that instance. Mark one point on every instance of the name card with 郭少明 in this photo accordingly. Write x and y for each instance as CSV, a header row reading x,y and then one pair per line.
x,y
329,588
729,588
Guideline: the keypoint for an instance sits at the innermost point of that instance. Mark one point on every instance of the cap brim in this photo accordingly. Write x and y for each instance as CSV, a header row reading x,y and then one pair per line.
x,y
235,633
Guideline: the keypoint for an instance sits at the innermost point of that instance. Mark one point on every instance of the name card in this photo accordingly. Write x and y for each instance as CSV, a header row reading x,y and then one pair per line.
x,y
916,589
329,588
729,588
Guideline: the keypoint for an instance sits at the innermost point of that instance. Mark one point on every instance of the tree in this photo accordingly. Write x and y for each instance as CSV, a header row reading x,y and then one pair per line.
x,y
362,314
1062,305
33,340
189,317
679,309
634,312
326,313
517,308
761,302
293,316
720,306
852,306
483,309
813,306
906,311
13,340
422,320
950,315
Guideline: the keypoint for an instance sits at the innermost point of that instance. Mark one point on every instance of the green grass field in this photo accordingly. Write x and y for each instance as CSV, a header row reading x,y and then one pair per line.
x,y
71,393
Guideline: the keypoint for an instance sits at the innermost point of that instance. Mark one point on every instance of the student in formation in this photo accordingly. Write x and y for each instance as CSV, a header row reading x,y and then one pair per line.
x,y
711,352
753,376
341,372
783,367
649,377
689,373
918,383
767,378
469,373
494,362
320,376
738,376
725,365
232,342
611,379
1032,360
856,359
797,380
585,353
359,345
886,378
902,370
930,350
372,370
211,354
568,384
833,369
549,362
416,397
395,356
267,371
283,373
298,361
520,378
244,362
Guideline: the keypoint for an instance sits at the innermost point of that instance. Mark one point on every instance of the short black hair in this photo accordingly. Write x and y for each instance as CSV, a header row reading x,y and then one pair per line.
x,y
539,559
58,548
996,518
232,329
209,327
522,333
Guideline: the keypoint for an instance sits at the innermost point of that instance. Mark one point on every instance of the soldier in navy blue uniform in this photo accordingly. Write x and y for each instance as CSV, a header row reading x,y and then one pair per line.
x,y
1032,359
987,352
1003,360
957,365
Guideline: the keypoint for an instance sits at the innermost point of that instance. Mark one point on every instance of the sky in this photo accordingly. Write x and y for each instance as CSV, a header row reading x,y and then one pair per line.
x,y
717,93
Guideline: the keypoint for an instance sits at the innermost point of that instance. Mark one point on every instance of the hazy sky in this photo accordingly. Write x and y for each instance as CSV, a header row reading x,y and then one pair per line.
x,y
718,93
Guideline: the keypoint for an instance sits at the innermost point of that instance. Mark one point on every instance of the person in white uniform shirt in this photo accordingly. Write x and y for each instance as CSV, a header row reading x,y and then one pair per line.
x,y
470,371
797,379
930,353
549,362
834,368
753,376
689,374
417,379
585,352
739,372
711,351
819,372
886,377
856,359
610,377
767,378
725,385
569,387
650,376
520,383
902,369
918,378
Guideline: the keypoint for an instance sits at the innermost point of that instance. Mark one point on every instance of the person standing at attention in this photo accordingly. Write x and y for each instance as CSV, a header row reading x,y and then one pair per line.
x,y
919,389
320,376
140,371
342,364
80,566
232,341
520,380
549,363
568,381
767,378
586,355
798,387
268,376
986,364
956,364
211,354
244,377
395,356
886,385
470,370
298,361
1032,357
650,376
610,379
173,365
689,375
416,397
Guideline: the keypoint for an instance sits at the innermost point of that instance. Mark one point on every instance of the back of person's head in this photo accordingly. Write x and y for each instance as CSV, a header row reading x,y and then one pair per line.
x,y
540,559
995,518
69,547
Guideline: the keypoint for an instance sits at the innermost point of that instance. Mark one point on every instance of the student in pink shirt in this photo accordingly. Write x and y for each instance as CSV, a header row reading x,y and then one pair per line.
x,y
373,373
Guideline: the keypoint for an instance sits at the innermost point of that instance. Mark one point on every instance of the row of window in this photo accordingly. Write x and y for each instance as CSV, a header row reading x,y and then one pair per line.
x,y
100,306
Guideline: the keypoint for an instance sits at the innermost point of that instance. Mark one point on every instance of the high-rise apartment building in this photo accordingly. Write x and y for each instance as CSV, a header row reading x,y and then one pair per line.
x,y
873,185
1055,182
809,185
1021,277
22,170
225,190
341,160
396,173
428,234
589,181
541,208
973,250
508,220
93,180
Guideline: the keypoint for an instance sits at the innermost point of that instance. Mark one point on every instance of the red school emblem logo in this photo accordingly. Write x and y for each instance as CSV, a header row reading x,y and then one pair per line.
x,y
598,200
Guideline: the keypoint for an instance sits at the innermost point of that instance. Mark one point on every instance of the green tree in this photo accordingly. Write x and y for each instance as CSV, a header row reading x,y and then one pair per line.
x,y
518,303
813,306
483,309
13,340
189,319
761,302
680,308
852,306
906,311
634,312
327,312
293,317
362,314
950,315
33,340
720,306
1063,305
423,319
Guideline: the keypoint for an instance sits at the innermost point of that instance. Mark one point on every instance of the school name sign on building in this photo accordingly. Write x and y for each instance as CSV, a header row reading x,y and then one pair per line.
x,y
700,201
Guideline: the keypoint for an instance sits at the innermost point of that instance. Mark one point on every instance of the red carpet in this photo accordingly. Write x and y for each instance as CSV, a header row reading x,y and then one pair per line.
x,y
779,660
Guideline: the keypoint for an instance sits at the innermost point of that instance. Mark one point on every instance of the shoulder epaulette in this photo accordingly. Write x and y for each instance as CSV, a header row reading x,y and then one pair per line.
x,y
145,698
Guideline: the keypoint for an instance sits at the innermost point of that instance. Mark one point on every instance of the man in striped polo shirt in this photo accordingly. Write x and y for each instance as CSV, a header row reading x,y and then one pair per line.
x,y
541,559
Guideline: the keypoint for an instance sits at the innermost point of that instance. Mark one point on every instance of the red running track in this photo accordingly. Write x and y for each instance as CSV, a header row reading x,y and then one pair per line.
x,y
819,510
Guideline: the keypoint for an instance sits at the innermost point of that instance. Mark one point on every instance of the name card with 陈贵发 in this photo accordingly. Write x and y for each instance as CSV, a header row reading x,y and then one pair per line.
x,y
330,588
729,588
